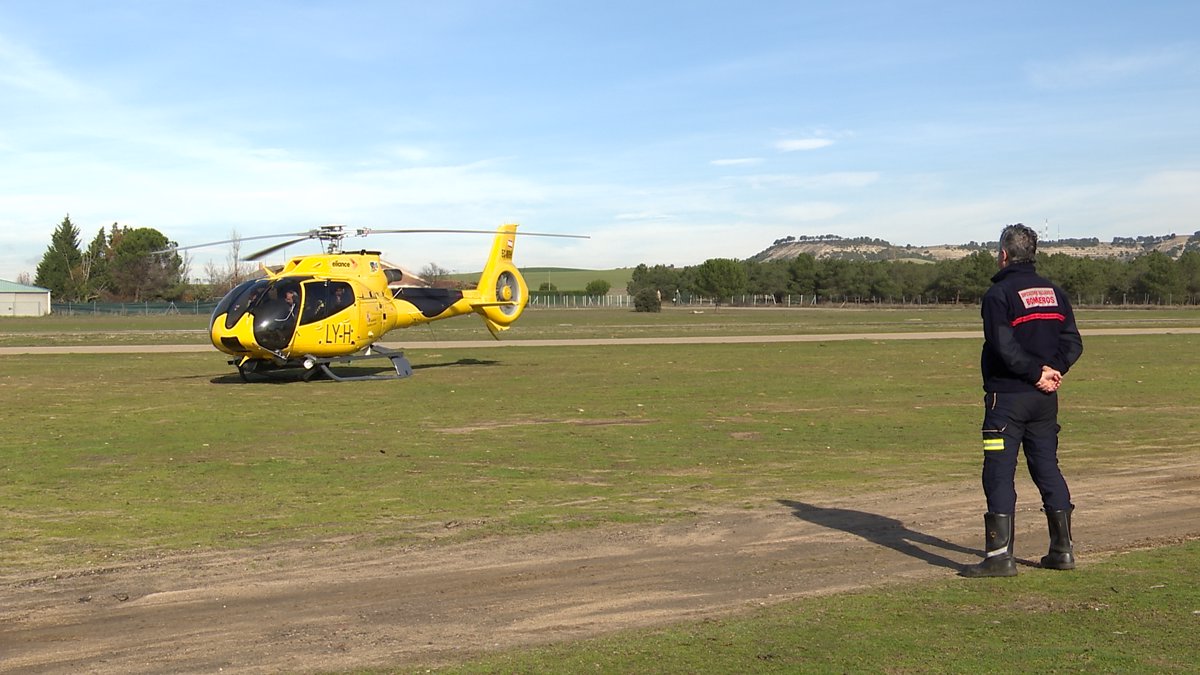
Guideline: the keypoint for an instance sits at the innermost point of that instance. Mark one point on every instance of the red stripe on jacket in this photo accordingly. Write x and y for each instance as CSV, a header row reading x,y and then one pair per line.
x,y
1044,316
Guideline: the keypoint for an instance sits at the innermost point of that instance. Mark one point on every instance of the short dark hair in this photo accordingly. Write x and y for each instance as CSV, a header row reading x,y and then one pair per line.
x,y
1019,242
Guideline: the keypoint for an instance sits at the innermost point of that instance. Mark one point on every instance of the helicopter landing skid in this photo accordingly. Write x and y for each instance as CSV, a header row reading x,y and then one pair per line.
x,y
399,363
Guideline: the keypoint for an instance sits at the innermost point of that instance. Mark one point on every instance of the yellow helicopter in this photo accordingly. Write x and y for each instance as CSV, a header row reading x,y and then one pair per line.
x,y
334,308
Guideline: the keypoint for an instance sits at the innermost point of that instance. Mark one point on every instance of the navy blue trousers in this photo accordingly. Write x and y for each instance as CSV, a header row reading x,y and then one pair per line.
x,y
1013,421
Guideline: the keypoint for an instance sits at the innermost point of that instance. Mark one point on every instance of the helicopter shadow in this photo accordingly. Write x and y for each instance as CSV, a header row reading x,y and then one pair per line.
x,y
460,362
381,372
881,530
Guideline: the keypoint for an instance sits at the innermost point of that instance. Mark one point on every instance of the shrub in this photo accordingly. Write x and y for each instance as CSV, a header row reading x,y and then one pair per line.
x,y
647,300
597,287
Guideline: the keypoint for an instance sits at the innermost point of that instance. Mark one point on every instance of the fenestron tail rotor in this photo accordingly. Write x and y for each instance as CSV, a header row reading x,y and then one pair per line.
x,y
508,290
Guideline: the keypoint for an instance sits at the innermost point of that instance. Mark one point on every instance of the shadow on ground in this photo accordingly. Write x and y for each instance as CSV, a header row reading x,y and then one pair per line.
x,y
381,372
881,530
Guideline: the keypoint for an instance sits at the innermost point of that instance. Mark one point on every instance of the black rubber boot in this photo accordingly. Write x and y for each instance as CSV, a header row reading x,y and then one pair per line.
x,y
998,558
1062,553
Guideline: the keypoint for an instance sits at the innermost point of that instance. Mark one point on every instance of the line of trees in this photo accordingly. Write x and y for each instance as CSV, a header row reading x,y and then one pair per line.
x,y
1153,278
117,266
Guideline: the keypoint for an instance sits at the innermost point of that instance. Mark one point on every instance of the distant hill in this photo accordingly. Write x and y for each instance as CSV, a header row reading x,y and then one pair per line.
x,y
867,248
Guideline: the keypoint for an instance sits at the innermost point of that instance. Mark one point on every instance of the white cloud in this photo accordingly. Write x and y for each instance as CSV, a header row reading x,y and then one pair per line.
x,y
843,179
1097,69
740,161
808,211
837,180
25,71
407,153
795,144
1172,184
644,216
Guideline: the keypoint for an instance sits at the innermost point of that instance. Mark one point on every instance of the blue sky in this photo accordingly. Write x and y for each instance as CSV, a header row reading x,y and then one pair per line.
x,y
671,132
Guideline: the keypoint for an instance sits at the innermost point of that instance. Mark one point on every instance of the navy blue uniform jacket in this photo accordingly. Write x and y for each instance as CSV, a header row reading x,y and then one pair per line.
x,y
1027,323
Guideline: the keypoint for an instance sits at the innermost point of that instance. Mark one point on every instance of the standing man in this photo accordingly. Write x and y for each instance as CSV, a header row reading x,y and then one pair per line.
x,y
1030,342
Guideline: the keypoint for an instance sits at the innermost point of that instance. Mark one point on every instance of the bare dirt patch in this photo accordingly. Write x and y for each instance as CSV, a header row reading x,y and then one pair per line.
x,y
492,426
335,605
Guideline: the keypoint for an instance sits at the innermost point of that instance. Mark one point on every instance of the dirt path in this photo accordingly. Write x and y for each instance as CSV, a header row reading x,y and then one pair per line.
x,y
337,606
595,342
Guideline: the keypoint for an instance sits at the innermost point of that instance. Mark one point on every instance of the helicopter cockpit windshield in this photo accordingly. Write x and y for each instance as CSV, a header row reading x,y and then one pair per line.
x,y
237,302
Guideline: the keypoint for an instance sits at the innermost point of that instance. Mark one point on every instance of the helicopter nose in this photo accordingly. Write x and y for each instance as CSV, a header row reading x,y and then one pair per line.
x,y
229,339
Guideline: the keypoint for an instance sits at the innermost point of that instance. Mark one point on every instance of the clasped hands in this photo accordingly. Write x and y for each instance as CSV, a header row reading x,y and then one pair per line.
x,y
1050,381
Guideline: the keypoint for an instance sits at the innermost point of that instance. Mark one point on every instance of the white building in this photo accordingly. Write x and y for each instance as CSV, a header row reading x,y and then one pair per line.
x,y
22,300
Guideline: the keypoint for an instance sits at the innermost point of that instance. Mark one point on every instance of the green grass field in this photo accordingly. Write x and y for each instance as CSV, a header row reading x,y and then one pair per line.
x,y
120,457
174,451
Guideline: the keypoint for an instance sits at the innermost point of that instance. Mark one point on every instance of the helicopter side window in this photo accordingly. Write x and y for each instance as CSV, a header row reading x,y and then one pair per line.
x,y
343,296
283,297
323,299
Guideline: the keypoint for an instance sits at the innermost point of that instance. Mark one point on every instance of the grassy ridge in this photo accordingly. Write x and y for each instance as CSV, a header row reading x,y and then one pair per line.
x,y
564,278
576,280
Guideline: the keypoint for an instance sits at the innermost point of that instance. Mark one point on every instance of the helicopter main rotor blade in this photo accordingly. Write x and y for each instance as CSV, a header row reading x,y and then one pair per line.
x,y
366,231
230,241
337,235
271,249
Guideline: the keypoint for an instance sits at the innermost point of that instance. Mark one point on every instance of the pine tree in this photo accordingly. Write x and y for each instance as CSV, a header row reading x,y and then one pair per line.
x,y
721,278
95,265
59,268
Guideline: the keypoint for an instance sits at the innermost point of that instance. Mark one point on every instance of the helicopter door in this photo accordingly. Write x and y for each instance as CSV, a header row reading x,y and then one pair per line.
x,y
277,314
372,317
